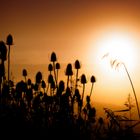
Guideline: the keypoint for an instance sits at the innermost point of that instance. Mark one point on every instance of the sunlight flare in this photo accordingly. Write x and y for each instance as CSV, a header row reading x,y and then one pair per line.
x,y
118,46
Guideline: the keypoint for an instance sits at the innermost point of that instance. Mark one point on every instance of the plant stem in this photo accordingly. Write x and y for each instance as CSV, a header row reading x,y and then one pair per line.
x,y
54,73
133,90
76,79
91,90
9,64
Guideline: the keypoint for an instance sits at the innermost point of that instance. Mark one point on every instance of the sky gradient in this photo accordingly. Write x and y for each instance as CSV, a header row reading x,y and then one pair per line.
x,y
72,29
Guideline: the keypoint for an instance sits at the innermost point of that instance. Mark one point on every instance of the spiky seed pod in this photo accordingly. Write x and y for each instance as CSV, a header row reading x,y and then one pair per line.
x,y
43,84
69,71
38,77
9,40
50,78
83,79
3,51
50,67
24,72
53,57
57,66
77,64
93,79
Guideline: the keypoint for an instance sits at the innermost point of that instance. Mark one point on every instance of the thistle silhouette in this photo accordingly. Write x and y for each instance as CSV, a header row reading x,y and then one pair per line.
x,y
24,73
9,42
92,80
77,67
83,81
68,73
53,60
57,69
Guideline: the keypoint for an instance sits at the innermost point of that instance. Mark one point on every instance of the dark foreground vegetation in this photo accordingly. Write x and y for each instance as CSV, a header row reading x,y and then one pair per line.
x,y
55,109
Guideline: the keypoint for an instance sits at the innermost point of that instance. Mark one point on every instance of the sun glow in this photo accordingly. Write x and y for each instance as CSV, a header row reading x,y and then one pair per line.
x,y
118,46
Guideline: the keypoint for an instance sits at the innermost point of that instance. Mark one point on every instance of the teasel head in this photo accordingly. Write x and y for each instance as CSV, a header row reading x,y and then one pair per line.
x,y
50,68
53,57
83,79
38,77
77,64
69,71
9,40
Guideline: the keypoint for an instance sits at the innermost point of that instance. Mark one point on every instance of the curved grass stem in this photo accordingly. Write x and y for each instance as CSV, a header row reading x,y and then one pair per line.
x,y
132,89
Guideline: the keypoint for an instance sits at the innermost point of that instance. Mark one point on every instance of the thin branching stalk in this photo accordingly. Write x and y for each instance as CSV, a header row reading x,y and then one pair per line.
x,y
91,89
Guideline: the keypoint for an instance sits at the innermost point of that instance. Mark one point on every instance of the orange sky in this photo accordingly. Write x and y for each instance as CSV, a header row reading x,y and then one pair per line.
x,y
62,25
72,29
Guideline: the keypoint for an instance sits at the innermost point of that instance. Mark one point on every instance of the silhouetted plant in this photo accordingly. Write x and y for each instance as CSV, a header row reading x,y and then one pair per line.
x,y
87,107
116,63
3,53
24,73
50,68
21,88
38,77
57,69
77,98
54,59
68,73
43,85
92,80
130,105
51,83
92,114
77,67
54,110
100,128
61,88
29,82
83,81
9,42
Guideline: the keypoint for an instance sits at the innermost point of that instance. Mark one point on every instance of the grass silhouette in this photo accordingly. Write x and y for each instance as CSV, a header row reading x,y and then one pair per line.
x,y
117,64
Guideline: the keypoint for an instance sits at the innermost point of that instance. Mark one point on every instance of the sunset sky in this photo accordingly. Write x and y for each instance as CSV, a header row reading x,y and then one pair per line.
x,y
77,29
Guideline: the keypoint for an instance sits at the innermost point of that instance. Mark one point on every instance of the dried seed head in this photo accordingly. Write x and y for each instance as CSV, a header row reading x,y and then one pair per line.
x,y
53,57
9,40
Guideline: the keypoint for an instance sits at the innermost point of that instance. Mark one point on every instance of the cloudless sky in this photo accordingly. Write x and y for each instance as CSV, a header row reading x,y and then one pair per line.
x,y
71,28
41,26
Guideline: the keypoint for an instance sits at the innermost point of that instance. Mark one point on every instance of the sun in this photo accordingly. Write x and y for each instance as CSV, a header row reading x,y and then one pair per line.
x,y
117,45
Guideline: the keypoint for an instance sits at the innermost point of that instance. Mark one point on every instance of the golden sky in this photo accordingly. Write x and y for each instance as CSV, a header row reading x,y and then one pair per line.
x,y
73,29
